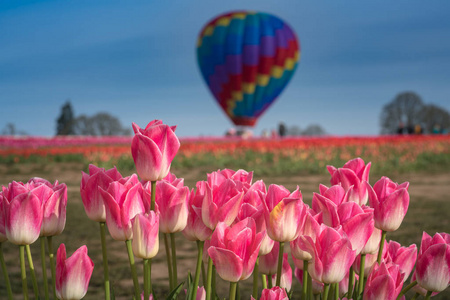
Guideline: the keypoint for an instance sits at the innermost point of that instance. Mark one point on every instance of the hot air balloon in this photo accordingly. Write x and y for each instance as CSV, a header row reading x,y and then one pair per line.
x,y
247,59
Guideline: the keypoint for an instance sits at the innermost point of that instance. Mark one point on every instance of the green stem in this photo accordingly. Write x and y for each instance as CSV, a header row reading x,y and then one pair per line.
x,y
406,289
52,263
380,251
105,261
326,289
149,275
310,290
269,281
169,261
23,272
133,269
331,292
174,259
33,273
203,273
238,292
351,278
255,279
233,286
336,291
153,183
264,281
200,245
417,295
361,274
5,273
44,267
355,290
305,280
146,279
213,283
428,296
209,279
280,263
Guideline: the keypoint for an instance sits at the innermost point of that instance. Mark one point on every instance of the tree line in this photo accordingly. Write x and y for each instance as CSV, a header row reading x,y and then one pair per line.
x,y
100,124
407,113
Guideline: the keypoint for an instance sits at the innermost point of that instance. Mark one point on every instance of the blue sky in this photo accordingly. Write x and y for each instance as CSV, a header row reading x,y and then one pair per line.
x,y
137,61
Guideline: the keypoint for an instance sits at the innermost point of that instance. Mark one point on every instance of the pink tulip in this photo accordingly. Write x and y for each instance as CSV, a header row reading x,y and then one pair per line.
x,y
253,207
284,213
150,297
145,242
234,250
239,176
353,174
195,229
310,228
336,194
331,252
173,180
220,203
418,289
385,281
373,244
23,214
317,287
286,275
201,293
123,201
390,202
172,205
54,201
275,293
268,263
356,221
433,262
153,149
89,190
73,273
405,257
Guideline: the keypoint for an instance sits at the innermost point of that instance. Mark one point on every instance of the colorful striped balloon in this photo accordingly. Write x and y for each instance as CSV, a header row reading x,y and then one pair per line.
x,y
246,59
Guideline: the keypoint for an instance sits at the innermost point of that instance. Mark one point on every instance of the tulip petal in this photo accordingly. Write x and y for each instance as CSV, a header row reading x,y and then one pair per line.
x,y
229,266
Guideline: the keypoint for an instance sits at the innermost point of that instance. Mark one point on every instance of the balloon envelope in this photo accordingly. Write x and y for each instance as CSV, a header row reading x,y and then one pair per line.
x,y
247,59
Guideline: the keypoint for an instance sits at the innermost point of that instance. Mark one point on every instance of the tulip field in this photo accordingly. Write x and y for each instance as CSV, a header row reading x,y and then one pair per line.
x,y
291,155
330,202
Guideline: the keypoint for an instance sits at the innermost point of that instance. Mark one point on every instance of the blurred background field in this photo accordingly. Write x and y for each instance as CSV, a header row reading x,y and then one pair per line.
x,y
422,160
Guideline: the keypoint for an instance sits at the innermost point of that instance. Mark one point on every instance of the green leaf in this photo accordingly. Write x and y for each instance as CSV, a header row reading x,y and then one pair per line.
x,y
189,290
174,294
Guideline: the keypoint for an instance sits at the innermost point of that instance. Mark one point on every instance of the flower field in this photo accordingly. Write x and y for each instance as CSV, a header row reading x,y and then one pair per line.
x,y
391,154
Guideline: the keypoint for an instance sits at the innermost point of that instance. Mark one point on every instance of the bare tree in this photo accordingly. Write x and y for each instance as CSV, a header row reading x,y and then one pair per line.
x,y
435,116
294,130
83,125
100,124
10,129
314,129
406,109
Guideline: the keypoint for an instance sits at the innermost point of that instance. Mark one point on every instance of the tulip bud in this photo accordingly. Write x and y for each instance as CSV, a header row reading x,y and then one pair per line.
x,y
73,274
